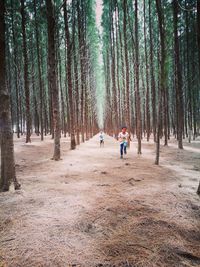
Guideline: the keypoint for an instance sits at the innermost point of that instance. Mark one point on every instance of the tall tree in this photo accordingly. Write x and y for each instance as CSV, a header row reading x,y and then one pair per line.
x,y
153,86
162,75
127,67
39,71
69,45
138,108
26,74
178,78
52,76
16,82
147,75
8,173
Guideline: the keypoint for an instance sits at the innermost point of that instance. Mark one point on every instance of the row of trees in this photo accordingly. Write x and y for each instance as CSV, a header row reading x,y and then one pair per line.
x,y
151,66
51,60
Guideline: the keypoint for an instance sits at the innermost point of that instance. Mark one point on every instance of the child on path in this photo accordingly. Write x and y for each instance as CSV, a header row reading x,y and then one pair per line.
x,y
101,139
123,138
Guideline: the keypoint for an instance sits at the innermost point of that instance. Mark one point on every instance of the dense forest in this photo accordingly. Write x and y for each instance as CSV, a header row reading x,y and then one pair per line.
x,y
151,67
144,60
99,133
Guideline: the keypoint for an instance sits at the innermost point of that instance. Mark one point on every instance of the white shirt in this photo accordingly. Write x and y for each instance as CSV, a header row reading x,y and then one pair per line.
x,y
101,136
123,137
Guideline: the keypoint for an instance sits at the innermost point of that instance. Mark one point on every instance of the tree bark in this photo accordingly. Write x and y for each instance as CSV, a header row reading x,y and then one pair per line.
x,y
138,109
147,77
8,172
39,72
15,51
26,74
162,83
178,78
52,77
127,69
153,87
69,77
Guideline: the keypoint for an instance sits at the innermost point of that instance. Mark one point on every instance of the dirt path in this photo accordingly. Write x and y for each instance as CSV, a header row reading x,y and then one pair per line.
x,y
94,209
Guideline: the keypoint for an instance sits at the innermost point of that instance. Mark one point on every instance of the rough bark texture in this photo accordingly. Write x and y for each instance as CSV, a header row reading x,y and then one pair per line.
x,y
39,72
26,82
162,83
69,78
178,79
15,50
128,119
147,77
52,77
83,83
138,109
8,173
153,90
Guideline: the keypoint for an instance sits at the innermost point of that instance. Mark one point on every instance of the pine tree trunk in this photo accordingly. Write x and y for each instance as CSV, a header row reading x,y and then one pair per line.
x,y
39,72
69,77
52,78
15,51
178,78
113,72
118,73
81,47
26,78
8,173
138,109
147,109
123,101
127,69
153,90
162,83
76,78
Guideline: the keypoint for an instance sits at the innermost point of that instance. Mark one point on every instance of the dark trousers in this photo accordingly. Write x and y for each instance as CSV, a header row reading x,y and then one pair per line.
x,y
101,142
122,149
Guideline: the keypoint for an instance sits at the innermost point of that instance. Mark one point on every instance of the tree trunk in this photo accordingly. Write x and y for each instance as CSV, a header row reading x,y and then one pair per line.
x,y
15,51
162,83
52,77
138,109
39,72
128,120
147,77
153,87
178,78
81,47
8,173
26,81
113,71
69,77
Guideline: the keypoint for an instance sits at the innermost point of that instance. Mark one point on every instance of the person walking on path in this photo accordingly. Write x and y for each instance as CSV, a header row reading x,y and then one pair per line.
x,y
123,138
101,139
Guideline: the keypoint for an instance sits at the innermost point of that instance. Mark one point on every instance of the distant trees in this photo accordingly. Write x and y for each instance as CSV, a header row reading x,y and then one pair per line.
x,y
151,66
48,69
157,59
52,91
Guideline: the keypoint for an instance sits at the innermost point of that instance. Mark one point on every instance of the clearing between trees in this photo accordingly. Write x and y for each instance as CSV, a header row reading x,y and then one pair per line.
x,y
94,209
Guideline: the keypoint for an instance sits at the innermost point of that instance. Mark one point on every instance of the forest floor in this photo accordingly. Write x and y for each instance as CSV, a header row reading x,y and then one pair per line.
x,y
94,209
